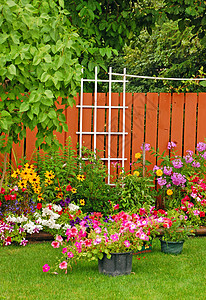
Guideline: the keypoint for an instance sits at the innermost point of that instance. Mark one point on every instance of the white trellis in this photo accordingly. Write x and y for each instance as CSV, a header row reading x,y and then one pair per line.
x,y
95,107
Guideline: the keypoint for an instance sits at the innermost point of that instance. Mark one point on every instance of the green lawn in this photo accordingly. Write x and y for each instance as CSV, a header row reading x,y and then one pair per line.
x,y
154,276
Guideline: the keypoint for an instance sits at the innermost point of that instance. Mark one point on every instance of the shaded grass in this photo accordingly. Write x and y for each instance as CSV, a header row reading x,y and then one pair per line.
x,y
154,275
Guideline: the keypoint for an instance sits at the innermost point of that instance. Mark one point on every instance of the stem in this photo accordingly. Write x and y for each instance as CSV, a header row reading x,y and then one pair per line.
x,y
143,159
4,170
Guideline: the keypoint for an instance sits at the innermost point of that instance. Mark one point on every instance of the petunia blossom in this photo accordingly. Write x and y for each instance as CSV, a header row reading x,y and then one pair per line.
x,y
63,265
46,268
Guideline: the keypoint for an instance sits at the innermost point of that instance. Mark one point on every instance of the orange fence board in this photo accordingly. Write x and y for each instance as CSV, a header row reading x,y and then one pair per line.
x,y
128,111
139,101
87,121
190,122
101,101
177,121
151,124
201,128
72,122
164,122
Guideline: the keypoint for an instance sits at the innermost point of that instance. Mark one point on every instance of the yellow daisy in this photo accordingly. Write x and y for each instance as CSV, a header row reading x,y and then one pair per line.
x,y
82,202
73,190
136,173
137,155
48,181
169,192
49,174
159,172
80,177
14,174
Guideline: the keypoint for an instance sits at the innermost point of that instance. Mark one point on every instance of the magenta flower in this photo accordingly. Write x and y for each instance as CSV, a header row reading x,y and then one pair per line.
x,y
127,243
63,265
70,254
201,147
64,250
177,163
59,238
161,181
24,242
171,145
55,244
146,146
97,241
46,268
114,237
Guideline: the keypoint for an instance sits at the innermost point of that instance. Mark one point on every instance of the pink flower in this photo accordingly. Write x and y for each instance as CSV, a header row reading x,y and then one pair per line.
x,y
59,238
55,244
114,237
64,250
116,206
73,231
127,243
97,241
97,230
46,268
70,254
88,243
196,212
63,265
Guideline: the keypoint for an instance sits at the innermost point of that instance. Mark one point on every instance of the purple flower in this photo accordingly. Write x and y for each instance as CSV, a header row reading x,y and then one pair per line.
x,y
177,163
171,145
196,164
201,147
155,168
188,159
178,179
67,200
204,155
167,171
146,146
24,242
161,181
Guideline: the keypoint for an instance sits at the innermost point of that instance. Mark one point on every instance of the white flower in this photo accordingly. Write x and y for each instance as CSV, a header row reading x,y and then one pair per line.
x,y
57,207
11,219
66,226
73,207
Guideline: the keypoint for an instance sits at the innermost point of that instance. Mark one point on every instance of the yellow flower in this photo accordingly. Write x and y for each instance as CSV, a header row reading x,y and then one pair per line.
x,y
136,173
137,155
35,179
60,195
49,174
14,174
129,175
25,174
22,184
169,192
80,177
82,202
48,181
27,166
159,172
40,198
57,188
73,190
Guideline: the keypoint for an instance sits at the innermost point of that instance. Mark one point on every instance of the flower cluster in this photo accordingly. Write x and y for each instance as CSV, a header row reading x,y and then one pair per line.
x,y
93,237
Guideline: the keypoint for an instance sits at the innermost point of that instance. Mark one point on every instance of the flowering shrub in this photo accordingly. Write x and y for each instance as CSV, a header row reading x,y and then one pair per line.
x,y
93,237
173,173
175,226
136,190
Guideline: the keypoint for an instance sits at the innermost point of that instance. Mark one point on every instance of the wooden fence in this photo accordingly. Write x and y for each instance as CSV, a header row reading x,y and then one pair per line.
x,y
152,118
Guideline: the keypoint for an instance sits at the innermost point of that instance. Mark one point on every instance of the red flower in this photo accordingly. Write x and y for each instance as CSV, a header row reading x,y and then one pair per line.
x,y
202,214
19,167
60,212
161,211
2,191
0,203
13,197
39,206
23,189
7,197
68,188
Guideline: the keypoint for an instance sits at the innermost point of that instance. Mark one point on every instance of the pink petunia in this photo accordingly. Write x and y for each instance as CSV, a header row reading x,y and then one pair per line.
x,y
114,237
63,265
70,254
127,243
64,250
59,238
55,244
46,268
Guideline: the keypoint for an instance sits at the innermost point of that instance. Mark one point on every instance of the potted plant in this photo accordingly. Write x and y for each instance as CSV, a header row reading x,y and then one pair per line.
x,y
175,230
111,240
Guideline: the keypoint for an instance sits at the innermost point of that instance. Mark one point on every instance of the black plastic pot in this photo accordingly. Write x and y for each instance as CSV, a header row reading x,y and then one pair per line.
x,y
171,247
118,264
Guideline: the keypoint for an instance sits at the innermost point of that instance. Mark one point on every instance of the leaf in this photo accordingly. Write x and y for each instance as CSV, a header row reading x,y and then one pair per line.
x,y
203,83
5,113
12,69
49,94
24,107
44,77
61,3
52,114
10,3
